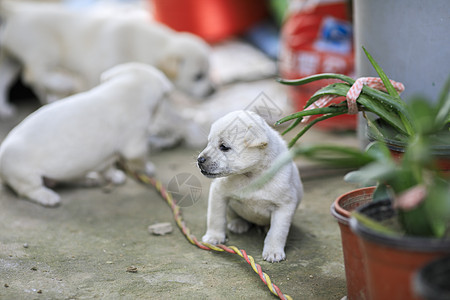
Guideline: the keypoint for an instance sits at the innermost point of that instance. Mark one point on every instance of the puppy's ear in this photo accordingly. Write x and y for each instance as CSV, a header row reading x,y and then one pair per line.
x,y
170,65
255,138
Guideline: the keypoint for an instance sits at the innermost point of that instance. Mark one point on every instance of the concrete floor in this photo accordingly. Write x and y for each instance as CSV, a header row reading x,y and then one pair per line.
x,y
83,248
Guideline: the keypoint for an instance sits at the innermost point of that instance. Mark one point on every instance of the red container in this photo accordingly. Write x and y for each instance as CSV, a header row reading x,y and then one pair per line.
x,y
353,259
213,20
317,39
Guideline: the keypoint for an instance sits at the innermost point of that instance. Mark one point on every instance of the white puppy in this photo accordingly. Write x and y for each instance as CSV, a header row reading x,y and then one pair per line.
x,y
63,51
241,147
66,140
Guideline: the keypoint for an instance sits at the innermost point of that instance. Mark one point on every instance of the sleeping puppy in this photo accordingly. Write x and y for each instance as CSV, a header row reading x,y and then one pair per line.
x,y
61,51
66,140
241,147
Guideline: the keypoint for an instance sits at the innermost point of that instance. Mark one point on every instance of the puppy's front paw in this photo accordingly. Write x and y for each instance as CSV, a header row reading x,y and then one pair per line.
x,y
214,238
273,254
238,225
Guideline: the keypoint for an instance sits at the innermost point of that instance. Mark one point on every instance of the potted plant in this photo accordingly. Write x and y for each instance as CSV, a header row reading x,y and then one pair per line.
x,y
410,188
410,193
421,127
407,223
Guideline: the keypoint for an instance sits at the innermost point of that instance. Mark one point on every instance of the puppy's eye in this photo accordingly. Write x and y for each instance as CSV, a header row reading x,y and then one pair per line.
x,y
199,76
223,147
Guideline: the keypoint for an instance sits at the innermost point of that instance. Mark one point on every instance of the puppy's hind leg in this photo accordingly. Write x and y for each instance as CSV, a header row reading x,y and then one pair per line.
x,y
115,176
32,188
44,196
236,224
135,156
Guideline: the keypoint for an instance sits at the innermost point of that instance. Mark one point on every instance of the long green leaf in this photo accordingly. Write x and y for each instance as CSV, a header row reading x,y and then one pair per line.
x,y
292,126
320,152
316,77
374,225
383,111
336,89
279,163
312,112
389,87
443,107
404,117
335,155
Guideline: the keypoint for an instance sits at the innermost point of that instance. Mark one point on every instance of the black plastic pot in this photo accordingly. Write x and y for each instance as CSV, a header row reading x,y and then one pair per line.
x,y
391,261
397,143
432,282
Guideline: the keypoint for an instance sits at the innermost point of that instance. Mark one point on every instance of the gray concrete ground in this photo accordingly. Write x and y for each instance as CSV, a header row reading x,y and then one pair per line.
x,y
85,248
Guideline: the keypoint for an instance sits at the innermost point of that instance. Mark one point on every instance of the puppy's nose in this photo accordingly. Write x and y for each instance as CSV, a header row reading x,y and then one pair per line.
x,y
201,159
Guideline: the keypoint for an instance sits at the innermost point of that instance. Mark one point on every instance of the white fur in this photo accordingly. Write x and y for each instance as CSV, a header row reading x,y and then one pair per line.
x,y
68,139
63,51
241,147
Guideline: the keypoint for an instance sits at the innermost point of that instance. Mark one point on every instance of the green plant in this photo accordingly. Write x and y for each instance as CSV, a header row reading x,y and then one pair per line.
x,y
418,192
389,107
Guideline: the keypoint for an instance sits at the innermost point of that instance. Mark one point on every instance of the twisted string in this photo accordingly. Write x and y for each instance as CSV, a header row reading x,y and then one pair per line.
x,y
147,180
373,82
353,94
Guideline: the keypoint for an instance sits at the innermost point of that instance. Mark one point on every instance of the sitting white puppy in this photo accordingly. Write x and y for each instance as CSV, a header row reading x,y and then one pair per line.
x,y
62,51
241,147
87,132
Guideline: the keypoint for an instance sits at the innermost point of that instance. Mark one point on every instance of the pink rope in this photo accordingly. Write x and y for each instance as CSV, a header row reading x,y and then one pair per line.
x,y
321,102
373,82
353,94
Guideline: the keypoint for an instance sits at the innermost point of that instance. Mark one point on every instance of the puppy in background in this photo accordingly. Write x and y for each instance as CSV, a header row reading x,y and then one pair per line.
x,y
241,147
62,51
68,139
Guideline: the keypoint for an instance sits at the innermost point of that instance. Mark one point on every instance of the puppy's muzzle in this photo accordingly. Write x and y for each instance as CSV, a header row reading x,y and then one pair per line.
x,y
205,168
201,160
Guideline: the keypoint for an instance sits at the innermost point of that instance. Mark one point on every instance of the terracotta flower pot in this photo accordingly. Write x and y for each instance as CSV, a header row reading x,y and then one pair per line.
x,y
391,261
353,260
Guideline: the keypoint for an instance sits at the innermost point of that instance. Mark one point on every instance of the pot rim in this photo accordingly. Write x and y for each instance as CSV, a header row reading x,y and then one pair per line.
x,y
340,218
437,149
337,206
